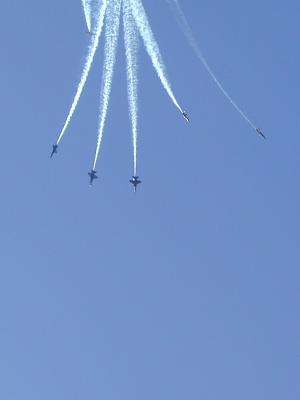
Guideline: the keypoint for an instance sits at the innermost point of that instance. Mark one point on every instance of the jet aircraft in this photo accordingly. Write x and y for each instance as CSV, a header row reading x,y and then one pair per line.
x,y
135,181
260,133
92,176
185,116
54,150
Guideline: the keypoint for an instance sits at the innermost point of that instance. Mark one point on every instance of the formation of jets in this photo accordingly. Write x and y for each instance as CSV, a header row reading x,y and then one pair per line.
x,y
135,181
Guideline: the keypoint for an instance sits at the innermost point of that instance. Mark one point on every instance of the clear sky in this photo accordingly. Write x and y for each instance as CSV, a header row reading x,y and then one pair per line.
x,y
190,288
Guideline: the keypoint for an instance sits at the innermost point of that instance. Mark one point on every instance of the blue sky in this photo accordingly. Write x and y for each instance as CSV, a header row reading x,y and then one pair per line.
x,y
190,288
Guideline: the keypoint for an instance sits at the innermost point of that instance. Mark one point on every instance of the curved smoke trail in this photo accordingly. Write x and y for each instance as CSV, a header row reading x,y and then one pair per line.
x,y
151,45
87,13
87,66
112,22
182,22
131,48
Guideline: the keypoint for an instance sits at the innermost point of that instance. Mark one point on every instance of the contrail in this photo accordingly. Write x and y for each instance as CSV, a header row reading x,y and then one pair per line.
x,y
87,13
87,66
151,45
182,21
112,22
131,48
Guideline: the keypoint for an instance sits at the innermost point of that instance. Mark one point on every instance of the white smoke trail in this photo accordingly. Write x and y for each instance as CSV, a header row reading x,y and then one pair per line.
x,y
112,24
131,48
87,66
182,21
87,13
151,45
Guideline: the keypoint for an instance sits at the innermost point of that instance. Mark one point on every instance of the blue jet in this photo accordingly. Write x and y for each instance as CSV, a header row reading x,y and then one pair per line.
x,y
92,176
185,116
135,181
54,150
260,133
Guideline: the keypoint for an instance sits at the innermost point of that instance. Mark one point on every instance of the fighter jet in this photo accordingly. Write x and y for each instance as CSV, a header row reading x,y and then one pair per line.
x,y
185,116
260,133
54,150
135,181
92,176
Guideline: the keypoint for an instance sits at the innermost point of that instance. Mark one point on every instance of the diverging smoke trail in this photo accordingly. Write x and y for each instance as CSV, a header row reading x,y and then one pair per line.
x,y
87,66
131,49
182,21
87,13
112,24
151,45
